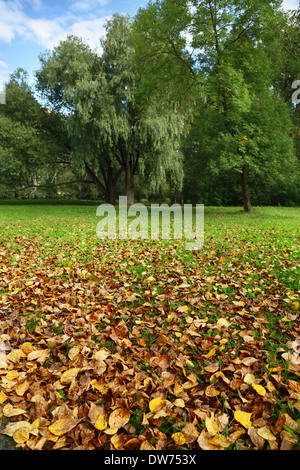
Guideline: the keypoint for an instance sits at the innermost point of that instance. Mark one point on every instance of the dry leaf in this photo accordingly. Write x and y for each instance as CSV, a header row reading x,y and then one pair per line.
x,y
3,397
220,440
211,391
178,438
190,432
21,435
117,440
62,426
243,418
259,389
69,375
100,423
212,425
266,434
101,355
119,418
156,404
11,428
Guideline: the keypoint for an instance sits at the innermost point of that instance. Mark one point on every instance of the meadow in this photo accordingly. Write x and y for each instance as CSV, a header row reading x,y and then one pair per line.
x,y
142,344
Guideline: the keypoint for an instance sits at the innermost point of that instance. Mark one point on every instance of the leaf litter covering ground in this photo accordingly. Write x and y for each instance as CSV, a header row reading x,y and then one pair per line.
x,y
147,346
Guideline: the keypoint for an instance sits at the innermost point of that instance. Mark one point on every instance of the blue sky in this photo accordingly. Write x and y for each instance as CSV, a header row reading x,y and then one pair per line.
x,y
29,27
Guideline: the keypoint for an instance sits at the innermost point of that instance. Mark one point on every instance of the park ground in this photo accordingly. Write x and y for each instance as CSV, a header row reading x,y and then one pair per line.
x,y
121,344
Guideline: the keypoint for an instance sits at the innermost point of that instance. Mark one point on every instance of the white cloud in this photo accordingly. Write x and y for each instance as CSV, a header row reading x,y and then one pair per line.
x,y
48,32
12,20
90,31
88,5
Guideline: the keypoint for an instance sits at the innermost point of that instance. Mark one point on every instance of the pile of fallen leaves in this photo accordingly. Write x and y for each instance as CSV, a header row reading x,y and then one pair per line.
x,y
106,353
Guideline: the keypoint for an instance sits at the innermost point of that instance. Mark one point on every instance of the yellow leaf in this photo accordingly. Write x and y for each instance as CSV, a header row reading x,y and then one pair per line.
x,y
266,434
210,391
259,389
177,389
62,426
101,424
69,375
101,355
243,418
211,353
3,397
15,355
220,440
111,431
117,441
12,374
270,386
211,425
10,411
178,438
21,388
27,347
119,417
21,435
156,404
96,385
295,305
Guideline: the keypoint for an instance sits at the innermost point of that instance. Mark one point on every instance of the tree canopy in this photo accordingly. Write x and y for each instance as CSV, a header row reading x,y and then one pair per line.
x,y
190,100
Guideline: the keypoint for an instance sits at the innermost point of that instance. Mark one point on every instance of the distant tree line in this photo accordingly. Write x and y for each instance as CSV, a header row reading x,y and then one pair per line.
x,y
190,101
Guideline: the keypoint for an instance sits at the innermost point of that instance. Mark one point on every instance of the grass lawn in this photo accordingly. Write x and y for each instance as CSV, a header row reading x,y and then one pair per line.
x,y
144,345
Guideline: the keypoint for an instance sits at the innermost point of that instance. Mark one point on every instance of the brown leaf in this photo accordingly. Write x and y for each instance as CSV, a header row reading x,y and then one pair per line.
x,y
119,417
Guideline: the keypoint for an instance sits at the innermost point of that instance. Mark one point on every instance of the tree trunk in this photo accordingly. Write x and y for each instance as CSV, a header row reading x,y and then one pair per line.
x,y
160,194
109,188
110,194
129,185
246,196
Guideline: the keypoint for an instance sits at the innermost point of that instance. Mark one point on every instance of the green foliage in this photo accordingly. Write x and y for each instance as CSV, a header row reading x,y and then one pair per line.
x,y
241,125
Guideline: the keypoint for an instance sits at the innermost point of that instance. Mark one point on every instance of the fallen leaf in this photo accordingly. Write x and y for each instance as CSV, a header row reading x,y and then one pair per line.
x,y
190,432
259,389
178,438
100,423
21,435
10,411
3,397
266,434
62,426
211,391
220,440
249,379
101,355
69,375
119,417
117,440
212,425
156,404
243,418
11,428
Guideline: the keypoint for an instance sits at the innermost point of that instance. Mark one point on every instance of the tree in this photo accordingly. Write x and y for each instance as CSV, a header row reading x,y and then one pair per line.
x,y
222,46
24,149
111,129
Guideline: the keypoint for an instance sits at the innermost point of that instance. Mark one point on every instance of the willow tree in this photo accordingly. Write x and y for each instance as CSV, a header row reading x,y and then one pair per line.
x,y
112,126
